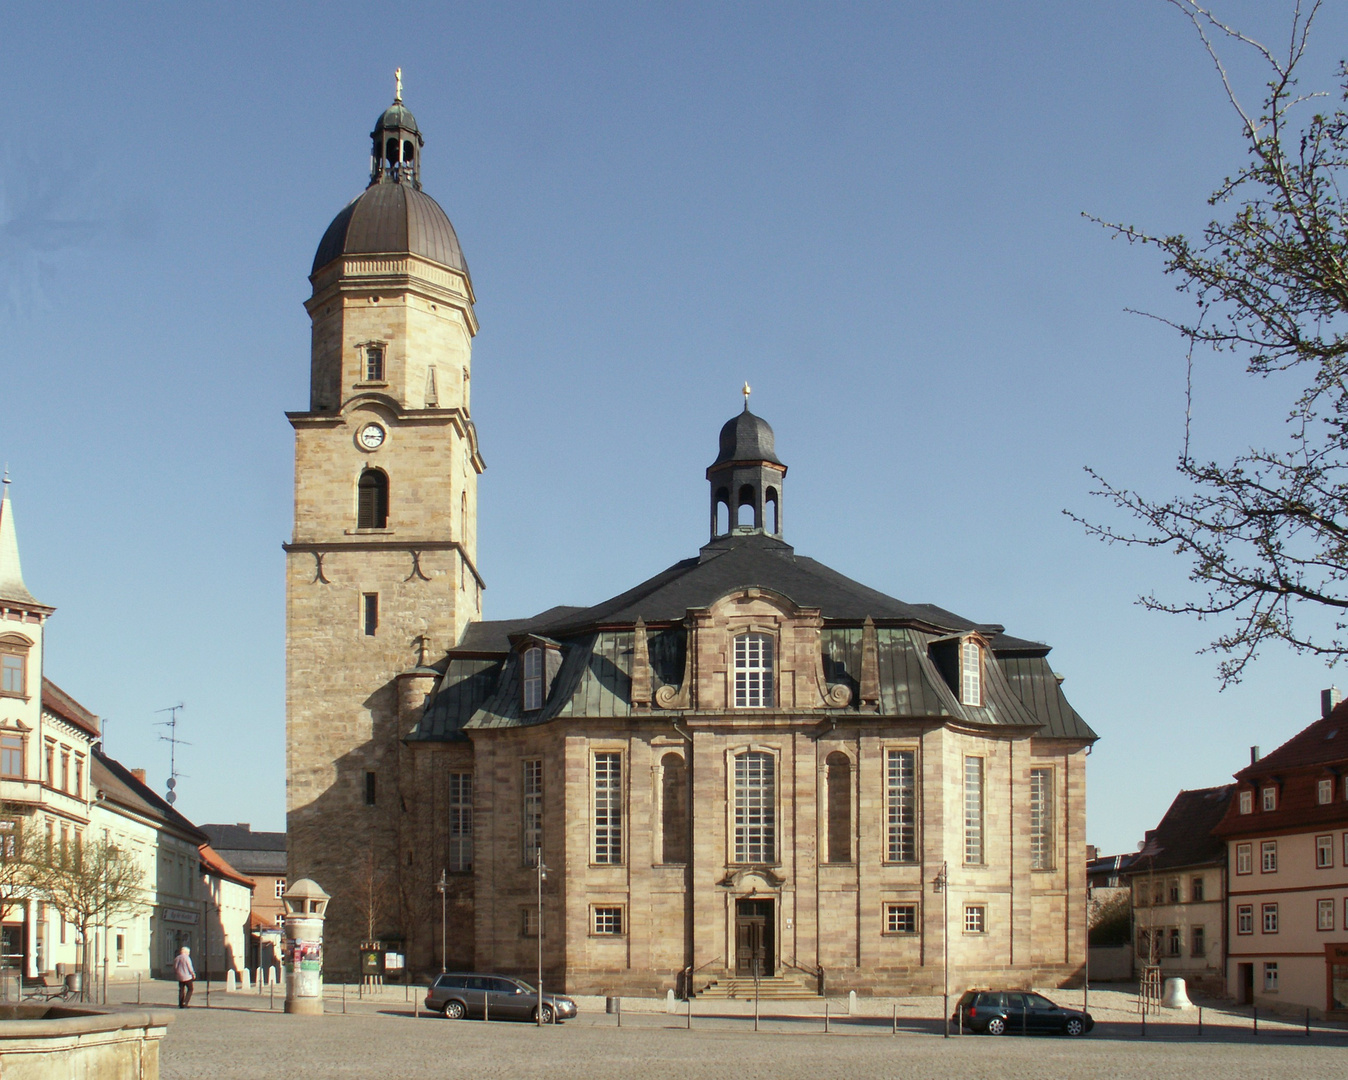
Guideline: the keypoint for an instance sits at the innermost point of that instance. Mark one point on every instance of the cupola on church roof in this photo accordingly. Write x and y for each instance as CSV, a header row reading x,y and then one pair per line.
x,y
393,215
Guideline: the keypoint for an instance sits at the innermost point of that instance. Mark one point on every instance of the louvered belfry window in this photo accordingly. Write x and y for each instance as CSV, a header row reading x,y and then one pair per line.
x,y
753,671
372,500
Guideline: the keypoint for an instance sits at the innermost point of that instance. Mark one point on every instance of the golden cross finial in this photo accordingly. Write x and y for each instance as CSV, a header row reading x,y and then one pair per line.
x,y
398,78
746,392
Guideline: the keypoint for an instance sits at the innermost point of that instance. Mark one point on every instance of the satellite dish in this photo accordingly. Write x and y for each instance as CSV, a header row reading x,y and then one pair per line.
x,y
172,798
172,783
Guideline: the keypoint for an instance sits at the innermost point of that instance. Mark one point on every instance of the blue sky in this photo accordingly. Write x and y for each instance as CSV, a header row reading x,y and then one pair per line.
x,y
870,212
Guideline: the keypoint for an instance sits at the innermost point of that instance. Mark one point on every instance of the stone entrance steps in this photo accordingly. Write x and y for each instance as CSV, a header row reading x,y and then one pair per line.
x,y
791,987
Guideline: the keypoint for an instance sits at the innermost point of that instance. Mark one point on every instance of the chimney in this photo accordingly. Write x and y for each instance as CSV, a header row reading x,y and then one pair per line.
x,y
1092,853
139,774
1254,754
245,826
1328,699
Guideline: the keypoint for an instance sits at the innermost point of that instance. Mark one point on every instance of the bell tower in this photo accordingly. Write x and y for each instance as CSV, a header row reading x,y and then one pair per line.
x,y
382,563
746,478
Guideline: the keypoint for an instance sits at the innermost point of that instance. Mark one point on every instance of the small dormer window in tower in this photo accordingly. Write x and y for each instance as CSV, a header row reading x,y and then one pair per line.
x,y
533,679
971,674
374,363
753,671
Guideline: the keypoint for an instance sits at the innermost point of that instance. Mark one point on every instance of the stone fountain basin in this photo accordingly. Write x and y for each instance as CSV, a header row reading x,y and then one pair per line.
x,y
41,1041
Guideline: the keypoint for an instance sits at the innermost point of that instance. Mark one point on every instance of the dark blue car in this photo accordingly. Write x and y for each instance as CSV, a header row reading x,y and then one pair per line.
x,y
1016,1012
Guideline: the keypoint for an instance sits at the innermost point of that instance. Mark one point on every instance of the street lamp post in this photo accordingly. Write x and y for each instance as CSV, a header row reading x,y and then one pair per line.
x,y
442,887
941,884
542,877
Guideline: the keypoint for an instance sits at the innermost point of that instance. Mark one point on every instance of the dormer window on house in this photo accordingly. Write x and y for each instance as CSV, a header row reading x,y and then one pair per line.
x,y
1324,791
533,679
971,674
1270,798
374,363
753,671
1247,802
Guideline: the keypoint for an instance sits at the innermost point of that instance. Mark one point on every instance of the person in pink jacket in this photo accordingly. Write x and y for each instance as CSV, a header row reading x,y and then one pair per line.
x,y
182,968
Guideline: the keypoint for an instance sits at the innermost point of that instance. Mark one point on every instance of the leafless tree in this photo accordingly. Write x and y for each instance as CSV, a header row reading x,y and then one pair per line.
x,y
1265,533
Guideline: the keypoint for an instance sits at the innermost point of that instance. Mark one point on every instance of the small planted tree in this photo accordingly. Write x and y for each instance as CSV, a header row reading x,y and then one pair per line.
x,y
87,881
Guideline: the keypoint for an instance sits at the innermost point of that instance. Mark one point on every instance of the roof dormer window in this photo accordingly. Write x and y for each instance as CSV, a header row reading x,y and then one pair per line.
x,y
1270,798
533,679
971,673
1247,802
753,671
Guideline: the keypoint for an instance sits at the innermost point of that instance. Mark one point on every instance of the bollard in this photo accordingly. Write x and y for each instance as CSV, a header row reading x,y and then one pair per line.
x,y
138,988
271,995
230,984
1144,1022
486,1007
1308,1023
343,997
896,1019
1200,1021
689,1025
1254,1011
416,1006
620,1012
755,1008
826,1016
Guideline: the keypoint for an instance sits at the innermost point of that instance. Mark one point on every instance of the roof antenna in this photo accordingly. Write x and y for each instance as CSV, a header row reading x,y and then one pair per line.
x,y
172,739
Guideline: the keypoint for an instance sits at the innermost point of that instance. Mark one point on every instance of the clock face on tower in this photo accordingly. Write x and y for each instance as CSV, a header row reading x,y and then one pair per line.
x,y
372,436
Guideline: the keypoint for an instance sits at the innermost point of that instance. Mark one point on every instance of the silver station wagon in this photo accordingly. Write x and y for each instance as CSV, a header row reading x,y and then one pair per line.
x,y
496,997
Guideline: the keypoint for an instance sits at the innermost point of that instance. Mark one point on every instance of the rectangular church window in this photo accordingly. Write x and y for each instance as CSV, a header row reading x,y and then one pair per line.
x,y
973,811
460,822
1041,819
608,808
532,812
901,805
374,363
755,808
370,613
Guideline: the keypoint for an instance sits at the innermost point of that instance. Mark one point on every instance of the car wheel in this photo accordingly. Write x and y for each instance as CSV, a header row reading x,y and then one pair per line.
x,y
996,1026
547,1015
454,1010
1074,1026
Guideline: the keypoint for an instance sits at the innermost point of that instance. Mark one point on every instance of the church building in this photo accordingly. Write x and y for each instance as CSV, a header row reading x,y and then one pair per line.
x,y
747,764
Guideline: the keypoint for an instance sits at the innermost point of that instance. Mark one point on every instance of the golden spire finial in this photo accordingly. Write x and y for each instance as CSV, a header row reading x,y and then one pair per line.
x,y
398,78
746,392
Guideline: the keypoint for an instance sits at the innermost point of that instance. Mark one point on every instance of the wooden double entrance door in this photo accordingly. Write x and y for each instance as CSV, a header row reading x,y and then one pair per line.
x,y
754,944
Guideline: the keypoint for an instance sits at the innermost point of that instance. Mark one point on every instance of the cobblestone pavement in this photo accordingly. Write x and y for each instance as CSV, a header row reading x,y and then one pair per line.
x,y
379,1037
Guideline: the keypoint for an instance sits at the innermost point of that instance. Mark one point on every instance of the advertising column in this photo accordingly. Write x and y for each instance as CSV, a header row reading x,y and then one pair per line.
x,y
306,904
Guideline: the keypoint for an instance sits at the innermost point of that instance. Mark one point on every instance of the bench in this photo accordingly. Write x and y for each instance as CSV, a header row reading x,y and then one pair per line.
x,y
46,987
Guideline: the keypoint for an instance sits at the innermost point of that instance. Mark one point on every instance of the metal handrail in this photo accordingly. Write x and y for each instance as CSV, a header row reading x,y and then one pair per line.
x,y
817,973
690,971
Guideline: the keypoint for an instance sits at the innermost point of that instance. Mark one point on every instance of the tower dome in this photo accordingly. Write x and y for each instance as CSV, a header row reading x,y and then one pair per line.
x,y
746,478
393,215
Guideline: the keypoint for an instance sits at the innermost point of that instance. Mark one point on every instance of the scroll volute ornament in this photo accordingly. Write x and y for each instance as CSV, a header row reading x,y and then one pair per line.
x,y
681,696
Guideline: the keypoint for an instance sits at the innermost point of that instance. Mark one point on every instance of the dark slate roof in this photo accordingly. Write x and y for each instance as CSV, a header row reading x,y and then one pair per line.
x,y
119,786
480,685
390,218
1184,836
754,559
242,838
747,437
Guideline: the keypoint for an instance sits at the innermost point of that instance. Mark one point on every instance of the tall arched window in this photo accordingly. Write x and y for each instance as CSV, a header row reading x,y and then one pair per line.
x,y
773,523
372,501
839,807
674,809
